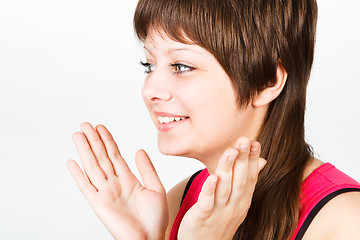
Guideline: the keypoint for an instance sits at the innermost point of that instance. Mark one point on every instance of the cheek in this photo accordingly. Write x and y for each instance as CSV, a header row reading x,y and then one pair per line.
x,y
150,110
211,114
213,111
197,93
210,101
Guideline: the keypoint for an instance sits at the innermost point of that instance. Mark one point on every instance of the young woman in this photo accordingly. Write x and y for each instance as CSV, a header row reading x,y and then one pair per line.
x,y
226,85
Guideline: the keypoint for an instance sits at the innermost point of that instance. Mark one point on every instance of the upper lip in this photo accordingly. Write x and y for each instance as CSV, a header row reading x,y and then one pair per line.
x,y
165,114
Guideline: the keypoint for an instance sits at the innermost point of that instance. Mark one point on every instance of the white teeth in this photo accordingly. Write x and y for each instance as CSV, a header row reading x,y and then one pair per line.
x,y
170,119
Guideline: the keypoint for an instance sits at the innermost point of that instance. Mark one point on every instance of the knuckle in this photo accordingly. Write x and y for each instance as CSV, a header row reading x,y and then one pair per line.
x,y
147,172
97,139
231,152
102,156
241,184
116,155
252,179
224,193
243,156
205,209
93,167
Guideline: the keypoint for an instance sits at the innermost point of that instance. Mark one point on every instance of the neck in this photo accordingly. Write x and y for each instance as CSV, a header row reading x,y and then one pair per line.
x,y
250,130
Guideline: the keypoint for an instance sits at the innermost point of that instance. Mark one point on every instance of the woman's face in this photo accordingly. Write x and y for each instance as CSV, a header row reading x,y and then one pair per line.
x,y
191,100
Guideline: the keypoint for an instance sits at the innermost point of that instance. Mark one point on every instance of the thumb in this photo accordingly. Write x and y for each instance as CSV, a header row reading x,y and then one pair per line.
x,y
147,172
262,163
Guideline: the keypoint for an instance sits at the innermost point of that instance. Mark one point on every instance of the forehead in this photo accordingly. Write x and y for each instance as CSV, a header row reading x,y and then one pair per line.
x,y
158,40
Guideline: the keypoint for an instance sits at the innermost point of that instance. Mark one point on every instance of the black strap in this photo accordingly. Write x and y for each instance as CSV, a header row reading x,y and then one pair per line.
x,y
188,185
318,207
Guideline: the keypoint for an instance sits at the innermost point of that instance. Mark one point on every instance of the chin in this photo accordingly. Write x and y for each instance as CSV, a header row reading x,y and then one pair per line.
x,y
172,149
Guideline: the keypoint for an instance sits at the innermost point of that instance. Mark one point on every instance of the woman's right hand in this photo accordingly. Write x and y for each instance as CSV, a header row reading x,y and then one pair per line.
x,y
226,195
128,209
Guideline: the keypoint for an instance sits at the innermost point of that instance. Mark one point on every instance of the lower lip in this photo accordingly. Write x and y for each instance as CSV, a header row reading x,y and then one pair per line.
x,y
165,127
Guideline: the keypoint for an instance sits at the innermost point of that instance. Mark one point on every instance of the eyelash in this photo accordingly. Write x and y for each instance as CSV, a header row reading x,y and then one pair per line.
x,y
147,66
174,66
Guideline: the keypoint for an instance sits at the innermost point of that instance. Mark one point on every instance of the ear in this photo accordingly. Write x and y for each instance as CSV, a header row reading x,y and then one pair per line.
x,y
270,93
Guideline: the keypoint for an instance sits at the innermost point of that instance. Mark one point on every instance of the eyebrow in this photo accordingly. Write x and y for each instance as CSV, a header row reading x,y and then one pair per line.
x,y
176,50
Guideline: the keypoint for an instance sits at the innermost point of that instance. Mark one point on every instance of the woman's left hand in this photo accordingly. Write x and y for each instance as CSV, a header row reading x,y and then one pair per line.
x,y
226,196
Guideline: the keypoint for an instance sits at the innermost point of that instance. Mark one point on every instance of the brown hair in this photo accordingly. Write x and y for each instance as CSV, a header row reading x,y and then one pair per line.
x,y
249,39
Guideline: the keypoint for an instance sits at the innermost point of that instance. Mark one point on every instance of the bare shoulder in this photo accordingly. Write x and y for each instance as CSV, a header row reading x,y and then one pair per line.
x,y
338,219
174,196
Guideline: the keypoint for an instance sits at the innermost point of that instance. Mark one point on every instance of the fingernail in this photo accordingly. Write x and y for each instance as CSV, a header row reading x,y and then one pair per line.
x,y
254,147
232,156
244,146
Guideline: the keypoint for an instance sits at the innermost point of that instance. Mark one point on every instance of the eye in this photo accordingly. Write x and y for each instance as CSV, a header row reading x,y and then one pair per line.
x,y
179,68
148,67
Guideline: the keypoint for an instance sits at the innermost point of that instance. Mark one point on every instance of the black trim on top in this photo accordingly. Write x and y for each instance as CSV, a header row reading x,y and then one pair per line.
x,y
188,185
318,207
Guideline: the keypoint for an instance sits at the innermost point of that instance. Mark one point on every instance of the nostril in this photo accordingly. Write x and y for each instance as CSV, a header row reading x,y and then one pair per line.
x,y
153,99
158,95
156,91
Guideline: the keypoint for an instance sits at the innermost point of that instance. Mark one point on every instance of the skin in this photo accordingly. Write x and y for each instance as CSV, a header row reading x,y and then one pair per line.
x,y
176,72
194,93
128,209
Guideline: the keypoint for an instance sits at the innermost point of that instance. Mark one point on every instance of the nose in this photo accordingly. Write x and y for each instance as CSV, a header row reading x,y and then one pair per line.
x,y
157,88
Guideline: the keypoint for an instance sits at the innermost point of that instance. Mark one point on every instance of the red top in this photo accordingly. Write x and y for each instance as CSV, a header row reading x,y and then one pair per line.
x,y
323,181
190,199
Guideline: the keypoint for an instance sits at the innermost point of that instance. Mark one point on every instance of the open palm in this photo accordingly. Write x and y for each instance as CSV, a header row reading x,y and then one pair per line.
x,y
128,209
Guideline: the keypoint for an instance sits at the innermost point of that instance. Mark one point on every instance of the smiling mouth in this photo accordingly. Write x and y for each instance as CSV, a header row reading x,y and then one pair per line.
x,y
165,120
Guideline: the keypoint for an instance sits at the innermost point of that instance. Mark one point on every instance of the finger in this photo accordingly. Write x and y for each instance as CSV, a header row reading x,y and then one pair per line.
x,y
224,171
120,166
147,172
87,189
241,166
254,156
205,204
88,160
98,148
262,163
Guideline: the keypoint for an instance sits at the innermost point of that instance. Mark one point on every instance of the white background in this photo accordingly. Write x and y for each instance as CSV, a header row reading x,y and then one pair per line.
x,y
70,61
